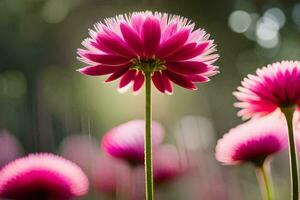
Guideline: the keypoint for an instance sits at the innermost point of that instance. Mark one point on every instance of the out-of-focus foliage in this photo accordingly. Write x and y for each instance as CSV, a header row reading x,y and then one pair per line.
x,y
43,99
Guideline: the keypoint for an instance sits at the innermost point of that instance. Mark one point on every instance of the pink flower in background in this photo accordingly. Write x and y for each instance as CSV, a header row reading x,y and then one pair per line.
x,y
10,148
296,126
42,176
126,141
167,164
123,46
107,174
110,175
273,86
253,141
85,155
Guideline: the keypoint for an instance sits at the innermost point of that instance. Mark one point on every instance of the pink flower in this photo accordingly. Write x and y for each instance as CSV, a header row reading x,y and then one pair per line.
x,y
42,176
107,174
84,156
253,141
10,148
296,126
126,141
110,175
123,46
167,164
272,87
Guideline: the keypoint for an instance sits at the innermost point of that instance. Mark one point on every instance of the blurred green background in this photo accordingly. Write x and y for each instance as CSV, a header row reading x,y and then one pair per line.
x,y
43,99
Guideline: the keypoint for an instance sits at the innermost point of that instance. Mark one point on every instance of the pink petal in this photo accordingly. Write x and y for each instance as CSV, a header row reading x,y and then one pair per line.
x,y
99,70
188,51
170,30
138,81
127,78
167,83
96,45
137,22
157,81
115,44
181,80
187,67
106,59
117,74
132,38
151,35
197,78
173,43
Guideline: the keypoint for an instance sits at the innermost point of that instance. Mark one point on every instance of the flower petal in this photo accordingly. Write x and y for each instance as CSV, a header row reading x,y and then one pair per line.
x,y
188,51
137,21
167,83
187,67
117,74
181,80
132,38
106,59
151,35
197,78
115,44
173,43
158,82
99,70
169,31
127,78
138,81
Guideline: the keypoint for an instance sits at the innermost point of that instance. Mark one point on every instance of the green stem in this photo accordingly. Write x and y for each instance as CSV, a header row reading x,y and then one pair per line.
x,y
289,112
265,181
148,145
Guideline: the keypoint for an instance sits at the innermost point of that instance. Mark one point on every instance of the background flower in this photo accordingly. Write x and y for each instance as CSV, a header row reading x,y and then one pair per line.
x,y
107,174
42,176
84,156
167,164
10,148
110,175
272,87
253,141
126,141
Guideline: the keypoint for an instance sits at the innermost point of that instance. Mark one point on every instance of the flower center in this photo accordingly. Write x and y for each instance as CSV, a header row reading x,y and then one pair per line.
x,y
149,65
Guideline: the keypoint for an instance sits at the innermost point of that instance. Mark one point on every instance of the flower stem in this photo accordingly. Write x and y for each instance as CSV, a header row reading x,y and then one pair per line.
x,y
265,181
148,145
289,112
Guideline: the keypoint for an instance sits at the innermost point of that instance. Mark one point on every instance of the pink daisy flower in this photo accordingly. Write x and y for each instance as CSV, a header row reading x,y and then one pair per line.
x,y
42,176
126,141
123,46
253,141
276,85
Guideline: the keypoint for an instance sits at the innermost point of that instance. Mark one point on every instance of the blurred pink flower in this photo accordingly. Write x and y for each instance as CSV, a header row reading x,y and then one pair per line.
x,y
42,176
107,174
122,46
110,175
85,155
273,86
296,126
253,141
167,164
126,141
10,148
